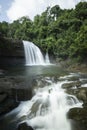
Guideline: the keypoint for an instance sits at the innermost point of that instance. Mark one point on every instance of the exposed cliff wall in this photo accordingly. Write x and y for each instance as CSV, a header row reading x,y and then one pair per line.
x,y
11,51
11,48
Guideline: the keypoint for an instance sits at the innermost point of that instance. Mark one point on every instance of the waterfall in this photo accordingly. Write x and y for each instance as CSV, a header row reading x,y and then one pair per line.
x,y
48,108
47,58
33,54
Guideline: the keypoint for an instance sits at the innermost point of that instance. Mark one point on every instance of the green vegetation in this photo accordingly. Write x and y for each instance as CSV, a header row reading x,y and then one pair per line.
x,y
63,33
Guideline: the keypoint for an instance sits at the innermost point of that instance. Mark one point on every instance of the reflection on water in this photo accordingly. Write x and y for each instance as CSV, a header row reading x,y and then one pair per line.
x,y
33,70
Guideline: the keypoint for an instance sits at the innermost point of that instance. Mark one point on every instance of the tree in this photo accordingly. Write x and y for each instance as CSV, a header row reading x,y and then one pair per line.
x,y
55,12
4,28
81,10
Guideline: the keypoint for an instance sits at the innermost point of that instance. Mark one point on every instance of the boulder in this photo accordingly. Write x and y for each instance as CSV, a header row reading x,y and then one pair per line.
x,y
79,115
12,91
7,105
21,94
73,78
24,126
82,94
16,88
41,81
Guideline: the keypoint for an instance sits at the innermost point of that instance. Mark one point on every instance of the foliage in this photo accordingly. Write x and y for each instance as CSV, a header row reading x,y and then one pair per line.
x,y
61,32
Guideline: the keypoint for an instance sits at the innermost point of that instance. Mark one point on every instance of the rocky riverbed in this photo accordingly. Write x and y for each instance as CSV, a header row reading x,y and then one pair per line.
x,y
14,89
77,86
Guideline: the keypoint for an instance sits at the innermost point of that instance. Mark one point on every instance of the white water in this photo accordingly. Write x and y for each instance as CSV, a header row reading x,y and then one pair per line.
x,y
47,58
48,108
33,54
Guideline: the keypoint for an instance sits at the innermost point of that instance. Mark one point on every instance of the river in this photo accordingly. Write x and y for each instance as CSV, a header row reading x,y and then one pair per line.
x,y
48,107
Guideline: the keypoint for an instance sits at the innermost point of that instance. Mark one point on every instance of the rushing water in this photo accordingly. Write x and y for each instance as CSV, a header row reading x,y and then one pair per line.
x,y
47,110
33,54
47,60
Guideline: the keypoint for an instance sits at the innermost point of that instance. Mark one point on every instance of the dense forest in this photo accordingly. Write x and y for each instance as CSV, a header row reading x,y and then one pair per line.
x,y
61,32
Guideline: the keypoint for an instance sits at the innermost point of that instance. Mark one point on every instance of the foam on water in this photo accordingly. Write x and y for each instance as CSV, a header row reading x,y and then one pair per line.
x,y
47,110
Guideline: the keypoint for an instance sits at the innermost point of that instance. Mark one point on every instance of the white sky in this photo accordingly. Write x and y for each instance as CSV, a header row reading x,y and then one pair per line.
x,y
19,8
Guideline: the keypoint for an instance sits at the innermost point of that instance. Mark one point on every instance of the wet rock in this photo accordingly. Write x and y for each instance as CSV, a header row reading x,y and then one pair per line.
x,y
67,85
16,87
11,52
78,84
40,82
73,78
75,125
39,104
7,102
11,48
72,84
84,104
12,91
24,126
84,82
34,109
7,105
82,94
72,91
21,94
1,71
79,115
3,96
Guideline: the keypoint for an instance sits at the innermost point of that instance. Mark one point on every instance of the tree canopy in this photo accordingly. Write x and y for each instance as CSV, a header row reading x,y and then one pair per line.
x,y
61,32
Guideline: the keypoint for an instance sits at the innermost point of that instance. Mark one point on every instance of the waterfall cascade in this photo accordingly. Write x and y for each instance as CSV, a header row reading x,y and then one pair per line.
x,y
48,108
47,58
33,54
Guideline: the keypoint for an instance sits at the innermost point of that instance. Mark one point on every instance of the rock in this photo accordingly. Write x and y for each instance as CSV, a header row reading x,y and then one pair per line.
x,y
72,91
82,94
40,82
7,102
22,94
75,125
7,106
1,71
84,104
74,78
78,84
11,52
72,84
79,115
84,82
16,87
24,126
11,48
3,96
12,91
67,85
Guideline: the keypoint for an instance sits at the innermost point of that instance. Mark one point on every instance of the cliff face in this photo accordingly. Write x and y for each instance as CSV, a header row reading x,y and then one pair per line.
x,y
11,48
11,51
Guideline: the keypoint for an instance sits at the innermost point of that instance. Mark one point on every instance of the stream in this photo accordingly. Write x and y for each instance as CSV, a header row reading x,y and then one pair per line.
x,y
48,107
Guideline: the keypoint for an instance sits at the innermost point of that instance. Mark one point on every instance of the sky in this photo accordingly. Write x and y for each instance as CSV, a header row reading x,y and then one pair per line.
x,y
11,10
